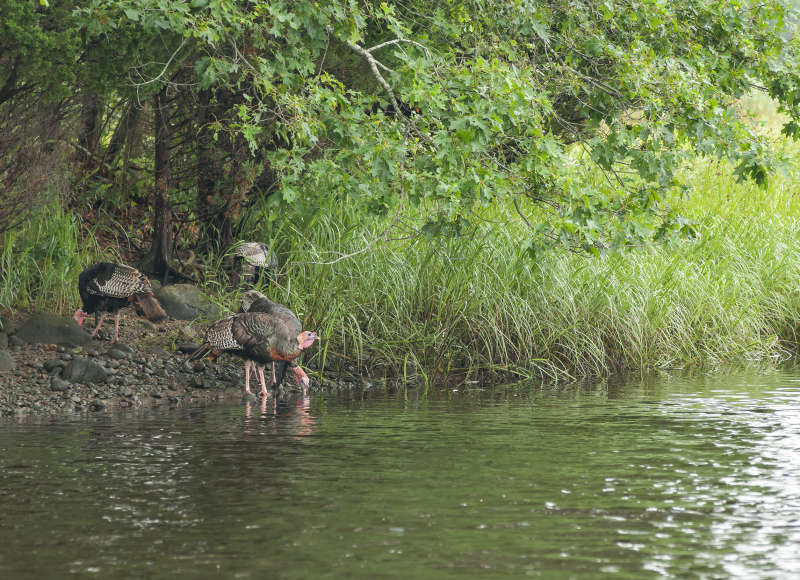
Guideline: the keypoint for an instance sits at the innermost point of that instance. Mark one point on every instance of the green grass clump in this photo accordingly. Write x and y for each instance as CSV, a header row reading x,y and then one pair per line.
x,y
40,262
455,308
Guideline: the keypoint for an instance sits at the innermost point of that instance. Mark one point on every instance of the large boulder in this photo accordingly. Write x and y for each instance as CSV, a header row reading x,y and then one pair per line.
x,y
52,329
186,302
83,370
7,362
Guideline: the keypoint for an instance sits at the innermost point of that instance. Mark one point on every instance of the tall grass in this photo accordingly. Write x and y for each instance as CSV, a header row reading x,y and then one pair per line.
x,y
457,308
40,263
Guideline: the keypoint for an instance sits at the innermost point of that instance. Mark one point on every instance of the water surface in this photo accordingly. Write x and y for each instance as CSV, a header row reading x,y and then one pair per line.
x,y
674,478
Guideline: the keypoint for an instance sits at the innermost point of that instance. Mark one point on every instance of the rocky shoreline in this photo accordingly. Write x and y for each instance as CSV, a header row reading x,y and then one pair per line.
x,y
50,366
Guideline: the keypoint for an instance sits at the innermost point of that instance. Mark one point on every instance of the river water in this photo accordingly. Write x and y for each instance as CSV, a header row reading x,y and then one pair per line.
x,y
668,478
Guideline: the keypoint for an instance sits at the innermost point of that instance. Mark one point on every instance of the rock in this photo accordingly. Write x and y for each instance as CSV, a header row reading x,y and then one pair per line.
x,y
188,347
57,384
123,348
97,405
7,325
7,362
118,354
53,366
15,341
51,329
83,370
186,302
3,341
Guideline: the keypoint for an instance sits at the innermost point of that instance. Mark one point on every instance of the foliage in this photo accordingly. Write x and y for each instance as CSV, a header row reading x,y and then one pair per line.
x,y
461,308
463,103
41,262
466,103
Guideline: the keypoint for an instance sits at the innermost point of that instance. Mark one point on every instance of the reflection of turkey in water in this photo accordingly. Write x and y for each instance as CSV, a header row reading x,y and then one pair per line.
x,y
671,478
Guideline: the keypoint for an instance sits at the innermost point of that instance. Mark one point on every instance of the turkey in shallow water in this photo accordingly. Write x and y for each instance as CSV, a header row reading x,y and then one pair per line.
x,y
105,288
255,301
258,338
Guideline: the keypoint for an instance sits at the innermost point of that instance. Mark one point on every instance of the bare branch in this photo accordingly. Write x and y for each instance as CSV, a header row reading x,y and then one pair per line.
x,y
165,68
373,64
399,40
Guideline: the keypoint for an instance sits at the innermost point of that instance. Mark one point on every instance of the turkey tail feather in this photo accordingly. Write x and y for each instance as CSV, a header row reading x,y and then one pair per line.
x,y
200,352
152,309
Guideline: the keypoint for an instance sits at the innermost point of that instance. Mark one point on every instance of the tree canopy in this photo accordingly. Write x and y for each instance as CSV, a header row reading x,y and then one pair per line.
x,y
453,105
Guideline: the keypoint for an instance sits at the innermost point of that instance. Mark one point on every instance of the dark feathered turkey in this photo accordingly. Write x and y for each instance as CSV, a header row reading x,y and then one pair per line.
x,y
255,301
258,338
107,287
253,259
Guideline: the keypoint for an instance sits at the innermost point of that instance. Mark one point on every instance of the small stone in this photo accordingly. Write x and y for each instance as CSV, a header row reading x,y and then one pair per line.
x,y
116,353
199,366
7,362
156,395
198,382
14,340
97,405
188,347
53,364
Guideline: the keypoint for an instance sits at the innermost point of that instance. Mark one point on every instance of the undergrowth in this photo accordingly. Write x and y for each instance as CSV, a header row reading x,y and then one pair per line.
x,y
457,309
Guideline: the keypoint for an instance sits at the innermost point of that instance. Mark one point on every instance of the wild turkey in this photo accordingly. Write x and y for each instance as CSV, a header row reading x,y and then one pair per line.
x,y
255,301
107,287
257,259
258,338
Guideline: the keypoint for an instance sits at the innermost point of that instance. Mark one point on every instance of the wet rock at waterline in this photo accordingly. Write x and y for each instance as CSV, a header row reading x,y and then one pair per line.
x,y
58,385
83,370
47,328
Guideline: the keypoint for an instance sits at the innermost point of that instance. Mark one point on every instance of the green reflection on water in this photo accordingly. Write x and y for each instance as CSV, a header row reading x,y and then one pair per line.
x,y
669,478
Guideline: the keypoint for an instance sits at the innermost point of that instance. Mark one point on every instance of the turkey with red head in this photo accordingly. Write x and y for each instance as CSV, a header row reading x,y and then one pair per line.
x,y
255,301
259,338
105,288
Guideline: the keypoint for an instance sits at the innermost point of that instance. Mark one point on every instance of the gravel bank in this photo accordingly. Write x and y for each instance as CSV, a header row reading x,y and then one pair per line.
x,y
148,367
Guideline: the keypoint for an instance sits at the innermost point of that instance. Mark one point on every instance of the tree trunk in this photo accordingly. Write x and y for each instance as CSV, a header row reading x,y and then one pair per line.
x,y
209,170
158,258
89,138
